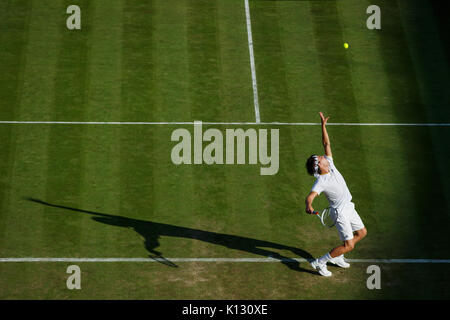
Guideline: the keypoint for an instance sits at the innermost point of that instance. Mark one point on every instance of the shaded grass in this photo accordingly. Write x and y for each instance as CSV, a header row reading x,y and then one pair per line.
x,y
418,148
13,37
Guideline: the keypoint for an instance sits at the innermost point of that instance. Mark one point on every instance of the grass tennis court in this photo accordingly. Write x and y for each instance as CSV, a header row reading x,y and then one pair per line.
x,y
112,191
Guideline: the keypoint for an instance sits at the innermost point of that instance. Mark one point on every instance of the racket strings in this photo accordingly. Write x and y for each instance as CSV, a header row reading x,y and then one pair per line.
x,y
328,218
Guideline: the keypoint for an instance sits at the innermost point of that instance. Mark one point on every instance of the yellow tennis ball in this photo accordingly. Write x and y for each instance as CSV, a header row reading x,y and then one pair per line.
x,y
346,45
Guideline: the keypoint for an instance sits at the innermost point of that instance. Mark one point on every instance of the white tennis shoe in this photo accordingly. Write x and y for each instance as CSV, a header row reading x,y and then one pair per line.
x,y
321,268
339,261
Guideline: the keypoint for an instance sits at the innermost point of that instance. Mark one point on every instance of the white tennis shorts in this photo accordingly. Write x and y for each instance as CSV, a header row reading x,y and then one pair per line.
x,y
348,221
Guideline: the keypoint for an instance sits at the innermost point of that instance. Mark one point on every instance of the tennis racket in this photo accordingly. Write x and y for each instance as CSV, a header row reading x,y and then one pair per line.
x,y
327,218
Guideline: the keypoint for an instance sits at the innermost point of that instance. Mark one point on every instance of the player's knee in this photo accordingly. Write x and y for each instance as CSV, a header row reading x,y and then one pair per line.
x,y
363,232
360,233
349,245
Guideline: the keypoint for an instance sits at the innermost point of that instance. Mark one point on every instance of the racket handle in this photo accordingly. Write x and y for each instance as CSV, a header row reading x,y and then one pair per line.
x,y
315,212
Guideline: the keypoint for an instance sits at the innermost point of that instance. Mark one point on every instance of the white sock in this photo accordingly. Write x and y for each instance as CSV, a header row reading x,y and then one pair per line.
x,y
341,257
324,259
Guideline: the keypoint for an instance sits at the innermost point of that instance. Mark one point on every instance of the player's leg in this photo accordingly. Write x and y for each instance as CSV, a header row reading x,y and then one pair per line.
x,y
347,246
359,231
360,234
335,256
345,231
351,230
358,228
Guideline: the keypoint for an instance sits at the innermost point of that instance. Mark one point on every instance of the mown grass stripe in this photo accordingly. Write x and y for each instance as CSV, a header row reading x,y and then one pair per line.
x,y
270,61
204,59
137,144
334,68
236,93
29,170
100,187
337,84
304,87
14,28
171,60
210,191
423,181
65,145
431,67
30,165
173,194
172,198
428,57
369,79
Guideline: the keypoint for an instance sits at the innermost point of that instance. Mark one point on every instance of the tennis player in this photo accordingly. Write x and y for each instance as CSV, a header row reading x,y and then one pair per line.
x,y
330,182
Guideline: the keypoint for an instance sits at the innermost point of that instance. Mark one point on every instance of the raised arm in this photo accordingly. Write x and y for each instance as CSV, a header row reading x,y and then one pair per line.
x,y
325,138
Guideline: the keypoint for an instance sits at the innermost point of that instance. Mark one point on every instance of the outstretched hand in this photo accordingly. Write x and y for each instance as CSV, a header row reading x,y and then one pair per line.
x,y
324,120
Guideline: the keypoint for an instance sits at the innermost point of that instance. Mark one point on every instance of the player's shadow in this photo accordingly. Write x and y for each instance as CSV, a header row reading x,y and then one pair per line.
x,y
152,231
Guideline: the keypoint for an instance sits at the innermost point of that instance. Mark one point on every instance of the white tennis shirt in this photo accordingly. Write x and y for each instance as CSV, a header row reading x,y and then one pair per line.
x,y
333,186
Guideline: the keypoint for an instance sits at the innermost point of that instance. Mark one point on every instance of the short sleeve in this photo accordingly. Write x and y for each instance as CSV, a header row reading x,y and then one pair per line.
x,y
330,160
317,187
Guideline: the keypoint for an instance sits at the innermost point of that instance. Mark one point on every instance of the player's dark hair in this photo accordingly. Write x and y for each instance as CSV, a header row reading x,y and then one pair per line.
x,y
310,165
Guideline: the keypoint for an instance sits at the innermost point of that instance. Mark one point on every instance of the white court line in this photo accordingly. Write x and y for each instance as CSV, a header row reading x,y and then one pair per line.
x,y
252,61
214,260
228,123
